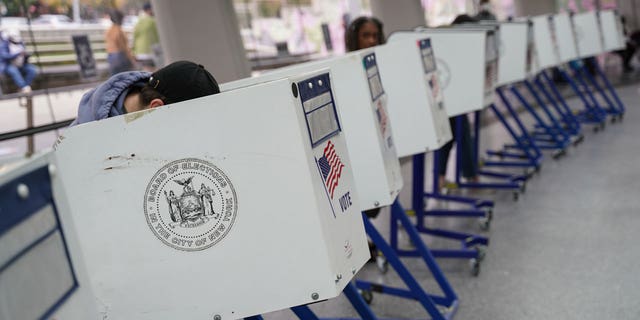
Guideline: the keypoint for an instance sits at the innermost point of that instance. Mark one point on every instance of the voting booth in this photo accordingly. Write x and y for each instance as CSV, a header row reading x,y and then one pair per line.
x,y
416,100
565,37
220,207
467,60
546,42
361,102
612,30
588,35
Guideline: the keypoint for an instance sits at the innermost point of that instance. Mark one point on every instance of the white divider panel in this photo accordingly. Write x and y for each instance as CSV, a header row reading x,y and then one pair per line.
x,y
416,101
565,35
588,35
362,105
42,275
467,60
207,207
533,65
545,39
612,30
513,63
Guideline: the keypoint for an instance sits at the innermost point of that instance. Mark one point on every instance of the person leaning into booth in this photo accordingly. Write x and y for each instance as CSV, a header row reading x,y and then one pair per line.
x,y
133,91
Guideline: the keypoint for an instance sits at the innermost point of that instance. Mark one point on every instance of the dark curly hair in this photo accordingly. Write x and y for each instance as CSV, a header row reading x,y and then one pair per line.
x,y
351,34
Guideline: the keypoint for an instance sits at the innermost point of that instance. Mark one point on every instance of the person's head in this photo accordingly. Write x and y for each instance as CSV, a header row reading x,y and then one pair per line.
x,y
147,8
485,5
179,81
116,16
364,32
464,18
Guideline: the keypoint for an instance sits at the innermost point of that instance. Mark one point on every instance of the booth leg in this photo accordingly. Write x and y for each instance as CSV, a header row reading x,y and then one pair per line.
x,y
598,112
415,291
575,122
604,78
361,306
612,109
304,313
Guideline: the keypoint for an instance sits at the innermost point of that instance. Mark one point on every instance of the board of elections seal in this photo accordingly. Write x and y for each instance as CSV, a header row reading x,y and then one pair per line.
x,y
190,204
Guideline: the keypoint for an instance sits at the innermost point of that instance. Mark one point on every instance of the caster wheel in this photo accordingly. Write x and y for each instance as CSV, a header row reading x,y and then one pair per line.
x,y
482,253
596,129
516,196
484,224
474,264
523,188
367,296
382,264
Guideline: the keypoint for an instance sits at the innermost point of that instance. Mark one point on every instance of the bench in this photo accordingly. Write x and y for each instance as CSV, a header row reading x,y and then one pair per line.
x,y
53,53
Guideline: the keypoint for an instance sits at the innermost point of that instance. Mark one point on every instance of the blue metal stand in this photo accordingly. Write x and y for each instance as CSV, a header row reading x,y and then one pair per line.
x,y
568,122
524,149
449,300
575,128
554,133
589,115
594,114
611,107
619,103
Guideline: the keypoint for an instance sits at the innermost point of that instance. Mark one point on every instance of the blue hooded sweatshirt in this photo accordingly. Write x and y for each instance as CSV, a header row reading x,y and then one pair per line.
x,y
107,100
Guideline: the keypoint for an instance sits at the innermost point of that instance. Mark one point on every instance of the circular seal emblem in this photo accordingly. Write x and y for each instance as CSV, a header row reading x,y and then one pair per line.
x,y
190,204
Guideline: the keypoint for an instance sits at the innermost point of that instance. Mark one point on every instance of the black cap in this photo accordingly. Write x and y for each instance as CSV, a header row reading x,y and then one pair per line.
x,y
183,80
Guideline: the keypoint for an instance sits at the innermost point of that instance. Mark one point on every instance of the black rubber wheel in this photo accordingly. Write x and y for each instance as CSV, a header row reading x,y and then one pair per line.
x,y
367,296
474,264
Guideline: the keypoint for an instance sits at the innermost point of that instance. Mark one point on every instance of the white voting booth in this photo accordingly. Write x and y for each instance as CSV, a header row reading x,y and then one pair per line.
x,y
565,37
362,106
467,60
416,100
588,35
612,30
221,207
545,40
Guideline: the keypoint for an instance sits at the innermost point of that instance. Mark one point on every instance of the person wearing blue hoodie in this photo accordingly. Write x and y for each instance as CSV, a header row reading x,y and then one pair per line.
x,y
133,91
14,60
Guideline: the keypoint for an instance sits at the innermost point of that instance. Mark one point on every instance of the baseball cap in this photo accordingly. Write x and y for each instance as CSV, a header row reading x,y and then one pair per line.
x,y
183,80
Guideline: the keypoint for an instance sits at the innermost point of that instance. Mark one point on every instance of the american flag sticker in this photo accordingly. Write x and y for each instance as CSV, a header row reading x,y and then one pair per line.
x,y
330,168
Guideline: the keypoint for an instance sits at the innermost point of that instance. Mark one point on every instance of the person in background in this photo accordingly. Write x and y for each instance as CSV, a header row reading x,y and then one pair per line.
x,y
484,12
629,51
145,38
469,168
362,33
119,56
133,91
14,60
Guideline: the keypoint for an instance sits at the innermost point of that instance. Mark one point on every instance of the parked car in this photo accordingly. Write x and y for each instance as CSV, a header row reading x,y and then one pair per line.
x,y
10,22
52,19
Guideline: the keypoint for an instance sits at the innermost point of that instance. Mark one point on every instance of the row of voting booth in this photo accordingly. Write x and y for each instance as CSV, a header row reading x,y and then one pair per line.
x,y
250,201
